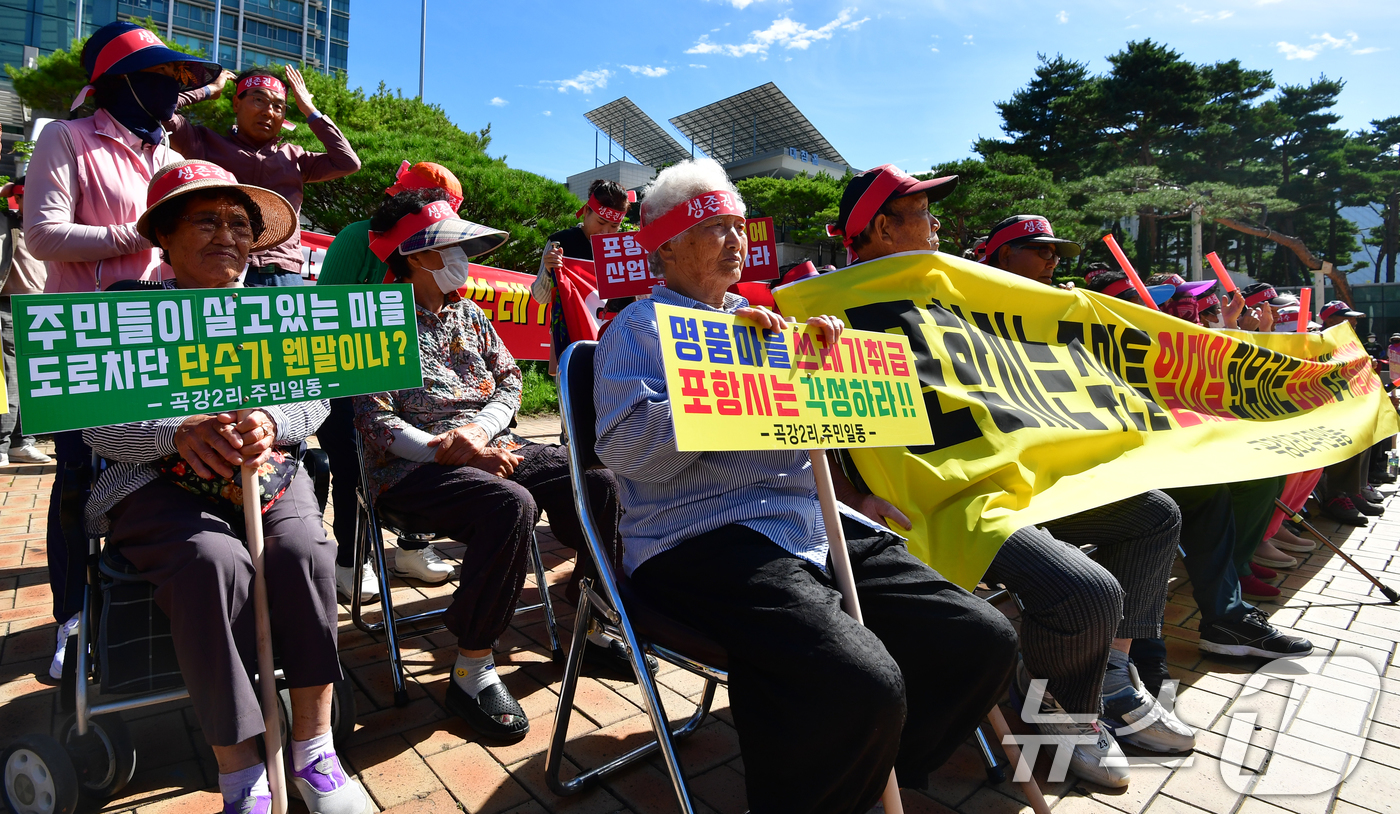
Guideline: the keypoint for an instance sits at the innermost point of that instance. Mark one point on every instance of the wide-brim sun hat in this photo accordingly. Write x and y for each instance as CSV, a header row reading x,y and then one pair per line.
x,y
183,177
436,226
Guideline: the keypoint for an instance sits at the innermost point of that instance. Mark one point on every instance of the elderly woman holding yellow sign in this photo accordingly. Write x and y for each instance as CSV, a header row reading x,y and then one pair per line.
x,y
171,505
734,545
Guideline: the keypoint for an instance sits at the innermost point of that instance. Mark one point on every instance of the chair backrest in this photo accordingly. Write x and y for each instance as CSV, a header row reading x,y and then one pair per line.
x,y
580,417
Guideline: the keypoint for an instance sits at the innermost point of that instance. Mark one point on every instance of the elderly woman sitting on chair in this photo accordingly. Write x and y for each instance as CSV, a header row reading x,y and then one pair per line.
x,y
444,454
170,504
733,544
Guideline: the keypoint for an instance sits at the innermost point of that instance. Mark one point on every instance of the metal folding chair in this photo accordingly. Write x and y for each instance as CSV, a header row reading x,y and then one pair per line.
x,y
613,608
370,523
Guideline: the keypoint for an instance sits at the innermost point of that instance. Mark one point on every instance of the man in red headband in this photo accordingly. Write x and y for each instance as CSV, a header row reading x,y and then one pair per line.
x,y
602,214
1074,607
254,152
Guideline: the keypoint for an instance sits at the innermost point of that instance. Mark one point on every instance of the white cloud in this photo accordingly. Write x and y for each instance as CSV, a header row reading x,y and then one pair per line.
x,y
933,48
497,101
784,32
1063,16
693,65
586,81
967,40
1198,16
549,113
647,70
1323,41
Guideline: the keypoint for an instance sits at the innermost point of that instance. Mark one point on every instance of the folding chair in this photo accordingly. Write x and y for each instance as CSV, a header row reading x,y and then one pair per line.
x,y
370,522
612,607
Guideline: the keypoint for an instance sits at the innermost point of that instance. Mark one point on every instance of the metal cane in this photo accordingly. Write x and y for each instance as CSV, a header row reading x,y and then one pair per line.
x,y
1390,593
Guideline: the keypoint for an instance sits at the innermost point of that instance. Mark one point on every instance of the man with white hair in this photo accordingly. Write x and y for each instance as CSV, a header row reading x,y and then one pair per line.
x,y
733,544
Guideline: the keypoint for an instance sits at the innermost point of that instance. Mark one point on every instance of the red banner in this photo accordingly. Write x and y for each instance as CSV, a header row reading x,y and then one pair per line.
x,y
620,265
762,262
522,323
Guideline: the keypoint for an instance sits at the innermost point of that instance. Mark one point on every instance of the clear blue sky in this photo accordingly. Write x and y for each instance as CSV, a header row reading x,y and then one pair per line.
x,y
912,83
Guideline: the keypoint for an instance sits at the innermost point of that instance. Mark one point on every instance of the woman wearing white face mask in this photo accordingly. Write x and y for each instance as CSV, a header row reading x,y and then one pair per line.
x,y
444,454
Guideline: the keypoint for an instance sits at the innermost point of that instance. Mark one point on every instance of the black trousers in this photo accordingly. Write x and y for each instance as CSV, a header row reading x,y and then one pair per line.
x,y
337,437
824,706
495,518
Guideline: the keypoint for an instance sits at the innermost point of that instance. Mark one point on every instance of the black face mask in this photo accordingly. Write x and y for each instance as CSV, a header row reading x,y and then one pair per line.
x,y
140,101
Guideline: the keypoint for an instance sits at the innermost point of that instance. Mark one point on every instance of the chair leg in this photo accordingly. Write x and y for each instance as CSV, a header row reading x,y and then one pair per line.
x,y
647,683
375,538
995,772
540,582
573,665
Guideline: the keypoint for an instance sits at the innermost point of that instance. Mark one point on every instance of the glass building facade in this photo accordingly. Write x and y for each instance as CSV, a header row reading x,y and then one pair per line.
x,y
250,32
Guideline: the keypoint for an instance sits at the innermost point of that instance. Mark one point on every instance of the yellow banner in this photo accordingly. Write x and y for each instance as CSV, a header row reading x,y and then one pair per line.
x,y
1044,403
736,386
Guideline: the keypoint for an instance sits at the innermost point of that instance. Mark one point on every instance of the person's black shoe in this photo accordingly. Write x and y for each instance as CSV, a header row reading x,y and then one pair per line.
x,y
1380,476
494,713
1341,509
1152,672
1366,507
1252,636
611,660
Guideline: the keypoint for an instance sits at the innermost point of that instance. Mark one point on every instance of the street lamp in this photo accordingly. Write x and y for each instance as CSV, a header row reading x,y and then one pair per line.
x,y
423,51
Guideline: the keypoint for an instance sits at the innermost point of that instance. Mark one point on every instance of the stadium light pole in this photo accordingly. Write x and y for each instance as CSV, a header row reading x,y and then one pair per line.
x,y
423,51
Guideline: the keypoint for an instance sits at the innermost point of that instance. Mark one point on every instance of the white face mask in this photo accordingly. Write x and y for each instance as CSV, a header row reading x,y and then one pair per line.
x,y
1214,323
455,269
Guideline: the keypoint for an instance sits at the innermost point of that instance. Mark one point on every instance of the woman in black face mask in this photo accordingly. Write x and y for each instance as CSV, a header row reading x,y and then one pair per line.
x,y
86,190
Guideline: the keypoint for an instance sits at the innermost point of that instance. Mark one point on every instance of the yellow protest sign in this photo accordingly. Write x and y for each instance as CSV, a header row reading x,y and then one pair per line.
x,y
1044,403
736,386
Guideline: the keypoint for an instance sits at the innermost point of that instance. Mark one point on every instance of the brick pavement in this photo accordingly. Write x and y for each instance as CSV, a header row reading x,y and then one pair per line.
x,y
415,760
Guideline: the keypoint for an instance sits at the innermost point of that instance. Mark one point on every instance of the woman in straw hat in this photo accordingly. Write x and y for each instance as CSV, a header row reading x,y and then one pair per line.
x,y
170,504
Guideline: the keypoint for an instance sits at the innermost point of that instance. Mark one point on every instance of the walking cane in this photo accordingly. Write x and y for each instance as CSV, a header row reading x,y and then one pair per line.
x,y
267,682
845,580
1390,593
850,602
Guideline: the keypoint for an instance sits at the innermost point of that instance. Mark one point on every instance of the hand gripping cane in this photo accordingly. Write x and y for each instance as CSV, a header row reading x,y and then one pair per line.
x,y
850,602
267,682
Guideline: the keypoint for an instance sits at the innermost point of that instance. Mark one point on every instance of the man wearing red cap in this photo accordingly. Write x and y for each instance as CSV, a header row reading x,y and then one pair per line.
x,y
254,152
1073,606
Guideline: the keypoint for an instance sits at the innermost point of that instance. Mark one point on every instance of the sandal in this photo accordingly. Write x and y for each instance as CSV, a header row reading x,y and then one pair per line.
x,y
494,713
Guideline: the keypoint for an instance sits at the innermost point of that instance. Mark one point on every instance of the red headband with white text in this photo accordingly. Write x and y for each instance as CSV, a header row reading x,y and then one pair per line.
x,y
700,208
383,244
1016,231
271,83
188,174
606,213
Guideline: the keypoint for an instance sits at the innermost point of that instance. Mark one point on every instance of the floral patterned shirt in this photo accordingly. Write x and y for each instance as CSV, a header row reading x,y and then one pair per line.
x,y
465,367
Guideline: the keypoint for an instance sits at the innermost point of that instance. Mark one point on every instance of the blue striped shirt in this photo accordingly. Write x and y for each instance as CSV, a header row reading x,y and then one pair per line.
x,y
671,496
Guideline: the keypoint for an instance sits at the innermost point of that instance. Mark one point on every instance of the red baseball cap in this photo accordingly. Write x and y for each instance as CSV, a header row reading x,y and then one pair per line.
x,y
1021,229
870,190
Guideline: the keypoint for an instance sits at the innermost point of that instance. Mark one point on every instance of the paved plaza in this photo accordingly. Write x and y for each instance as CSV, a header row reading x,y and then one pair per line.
x,y
415,759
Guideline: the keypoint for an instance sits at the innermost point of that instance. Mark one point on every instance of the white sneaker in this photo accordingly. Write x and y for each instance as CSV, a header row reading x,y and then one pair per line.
x,y
1096,757
424,564
65,630
1141,720
29,454
345,583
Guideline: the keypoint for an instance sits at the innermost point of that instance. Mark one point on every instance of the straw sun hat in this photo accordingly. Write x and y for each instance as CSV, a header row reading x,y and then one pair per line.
x,y
183,177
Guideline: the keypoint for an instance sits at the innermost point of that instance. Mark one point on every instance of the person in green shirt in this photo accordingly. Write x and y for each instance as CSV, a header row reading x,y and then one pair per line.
x,y
350,262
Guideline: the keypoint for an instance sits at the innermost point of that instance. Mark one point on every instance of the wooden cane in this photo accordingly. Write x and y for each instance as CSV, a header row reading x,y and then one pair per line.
x,y
845,580
267,682
1013,753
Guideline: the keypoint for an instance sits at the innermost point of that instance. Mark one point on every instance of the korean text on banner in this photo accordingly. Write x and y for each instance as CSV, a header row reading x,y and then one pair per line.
x,y
91,360
620,266
504,296
1045,403
735,386
762,260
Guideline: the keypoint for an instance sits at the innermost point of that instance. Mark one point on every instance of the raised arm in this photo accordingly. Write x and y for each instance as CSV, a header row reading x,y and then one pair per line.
x,y
339,159
635,436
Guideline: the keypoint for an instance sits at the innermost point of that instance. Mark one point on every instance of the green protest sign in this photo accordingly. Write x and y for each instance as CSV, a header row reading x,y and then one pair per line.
x,y
91,360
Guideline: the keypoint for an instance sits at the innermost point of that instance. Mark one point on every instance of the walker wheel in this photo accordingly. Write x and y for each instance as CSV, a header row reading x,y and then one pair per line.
x,y
104,759
39,777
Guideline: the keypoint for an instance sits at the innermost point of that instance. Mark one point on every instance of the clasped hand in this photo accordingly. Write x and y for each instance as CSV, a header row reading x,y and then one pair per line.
x,y
218,445
467,446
